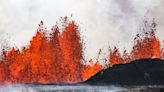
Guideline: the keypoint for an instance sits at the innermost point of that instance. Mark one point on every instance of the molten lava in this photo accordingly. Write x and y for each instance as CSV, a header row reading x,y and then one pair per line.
x,y
58,58
115,57
90,70
146,46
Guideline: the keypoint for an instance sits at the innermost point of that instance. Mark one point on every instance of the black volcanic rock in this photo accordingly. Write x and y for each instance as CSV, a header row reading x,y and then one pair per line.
x,y
138,72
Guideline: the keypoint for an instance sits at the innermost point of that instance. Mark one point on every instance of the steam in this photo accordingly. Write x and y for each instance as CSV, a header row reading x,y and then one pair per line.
x,y
78,88
103,23
16,88
60,88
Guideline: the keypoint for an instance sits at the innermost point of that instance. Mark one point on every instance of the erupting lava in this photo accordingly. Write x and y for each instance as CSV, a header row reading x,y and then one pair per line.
x,y
145,46
58,58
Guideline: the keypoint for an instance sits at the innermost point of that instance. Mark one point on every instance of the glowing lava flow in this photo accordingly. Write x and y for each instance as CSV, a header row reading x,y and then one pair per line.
x,y
58,58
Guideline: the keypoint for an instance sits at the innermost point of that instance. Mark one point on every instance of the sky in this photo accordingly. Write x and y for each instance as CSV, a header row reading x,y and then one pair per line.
x,y
102,23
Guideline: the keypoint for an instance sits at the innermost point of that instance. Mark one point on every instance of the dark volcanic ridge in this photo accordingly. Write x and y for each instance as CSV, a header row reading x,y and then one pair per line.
x,y
138,72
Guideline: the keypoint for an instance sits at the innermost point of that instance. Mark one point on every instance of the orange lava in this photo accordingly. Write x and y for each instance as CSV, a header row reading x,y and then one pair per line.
x,y
58,58
90,70
146,46
162,50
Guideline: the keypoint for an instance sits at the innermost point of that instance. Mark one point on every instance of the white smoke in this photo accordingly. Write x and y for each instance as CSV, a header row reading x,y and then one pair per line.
x,y
60,88
16,88
76,88
103,23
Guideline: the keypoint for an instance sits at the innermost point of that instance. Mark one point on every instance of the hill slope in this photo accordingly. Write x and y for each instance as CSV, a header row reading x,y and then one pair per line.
x,y
138,72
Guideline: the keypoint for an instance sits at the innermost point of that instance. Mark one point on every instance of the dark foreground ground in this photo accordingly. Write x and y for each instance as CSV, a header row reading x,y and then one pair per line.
x,y
137,73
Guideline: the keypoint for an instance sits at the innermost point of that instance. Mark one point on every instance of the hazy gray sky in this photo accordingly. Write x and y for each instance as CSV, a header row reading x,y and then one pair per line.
x,y
102,23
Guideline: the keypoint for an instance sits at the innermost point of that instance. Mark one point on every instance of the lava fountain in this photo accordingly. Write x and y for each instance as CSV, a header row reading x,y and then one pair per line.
x,y
58,58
